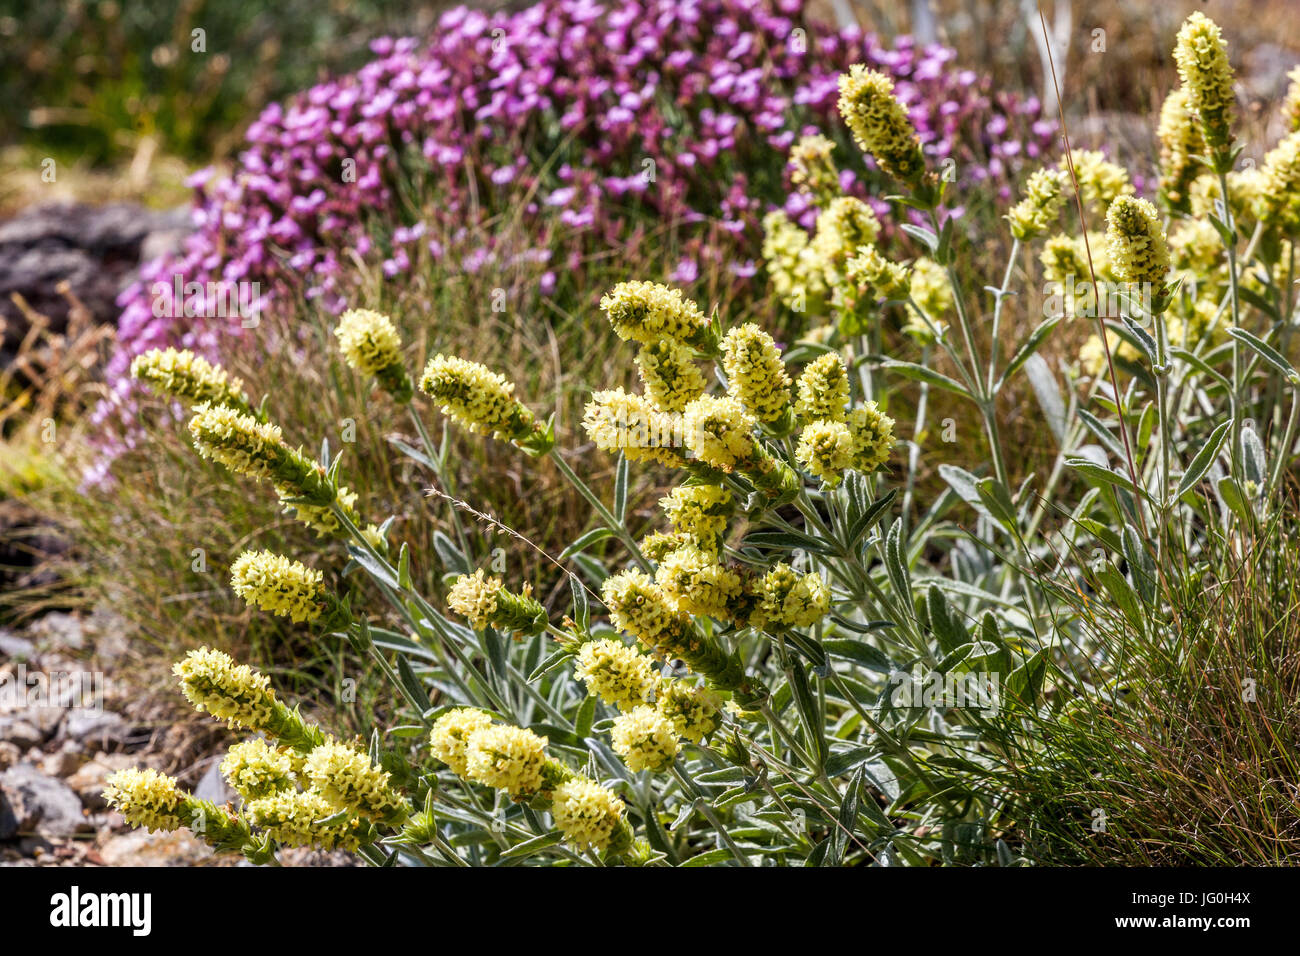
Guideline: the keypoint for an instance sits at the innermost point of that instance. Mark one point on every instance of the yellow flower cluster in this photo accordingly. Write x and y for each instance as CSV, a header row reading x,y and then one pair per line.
x,y
1041,205
693,710
1180,145
506,758
797,274
1279,199
1136,244
1202,59
449,738
812,170
719,432
181,374
647,312
880,125
292,817
240,442
699,512
235,693
147,798
788,599
1101,182
823,390
695,582
873,437
756,376
254,769
932,294
586,813
370,344
618,421
826,449
645,739
617,674
474,597
844,226
273,583
669,374
890,280
638,606
476,397
347,780
1291,102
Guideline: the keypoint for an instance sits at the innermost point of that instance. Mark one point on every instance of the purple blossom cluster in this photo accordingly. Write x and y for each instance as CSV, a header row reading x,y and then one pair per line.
x,y
593,119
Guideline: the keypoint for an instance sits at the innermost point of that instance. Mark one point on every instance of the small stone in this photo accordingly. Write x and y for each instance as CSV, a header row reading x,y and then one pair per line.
x,y
63,762
59,630
18,732
41,804
13,646
142,848
102,729
89,780
213,785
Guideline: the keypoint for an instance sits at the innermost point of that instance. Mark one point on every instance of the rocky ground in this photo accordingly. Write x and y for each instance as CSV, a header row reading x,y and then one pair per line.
x,y
76,703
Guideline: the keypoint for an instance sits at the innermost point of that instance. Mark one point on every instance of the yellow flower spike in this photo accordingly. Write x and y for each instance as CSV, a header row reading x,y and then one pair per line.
x,y
647,312
1136,244
638,606
477,398
370,345
235,693
347,780
645,739
697,583
719,432
1101,182
812,170
474,597
291,817
826,449
147,798
273,583
1291,103
586,813
932,292
254,769
880,125
873,437
699,512
797,274
788,599
823,390
1181,143
617,674
844,226
180,374
507,758
756,376
1279,195
1041,205
1202,59
618,421
692,709
889,280
669,374
449,736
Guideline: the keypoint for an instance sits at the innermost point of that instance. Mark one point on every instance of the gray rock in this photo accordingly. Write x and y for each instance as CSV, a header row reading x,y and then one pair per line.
x,y
213,786
41,804
19,732
142,848
89,780
13,646
59,631
103,729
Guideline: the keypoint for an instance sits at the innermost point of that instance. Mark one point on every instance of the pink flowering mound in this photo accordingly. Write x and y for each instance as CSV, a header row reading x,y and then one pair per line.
x,y
599,122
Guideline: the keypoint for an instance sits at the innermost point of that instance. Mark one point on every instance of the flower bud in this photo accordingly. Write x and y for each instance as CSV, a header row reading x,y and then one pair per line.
x,y
370,345
645,739
274,583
